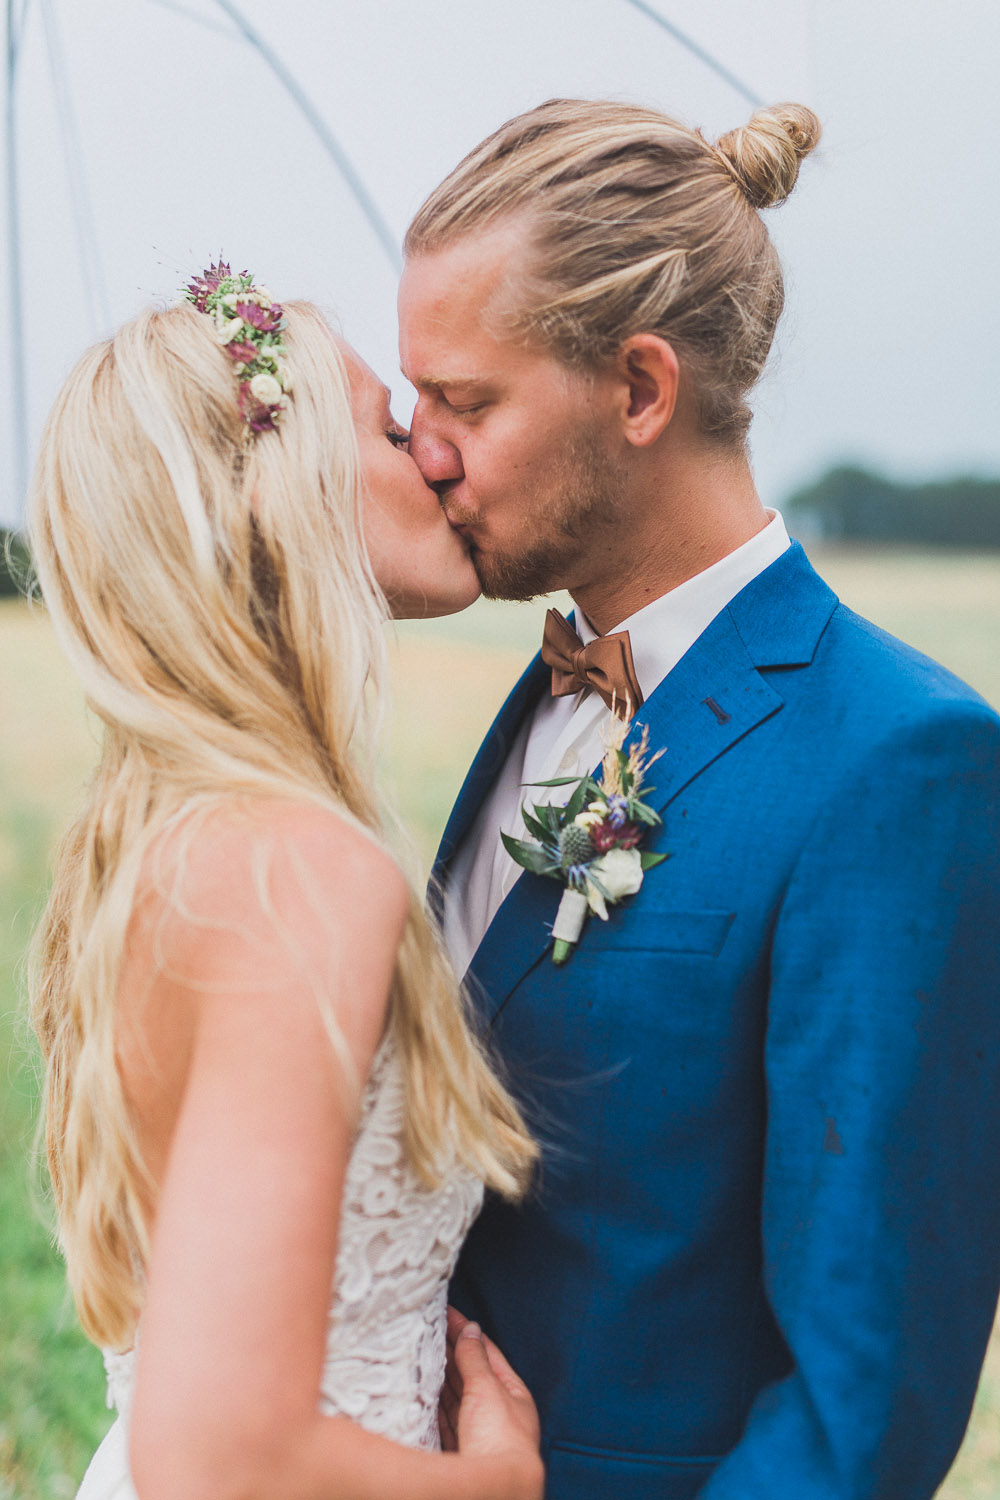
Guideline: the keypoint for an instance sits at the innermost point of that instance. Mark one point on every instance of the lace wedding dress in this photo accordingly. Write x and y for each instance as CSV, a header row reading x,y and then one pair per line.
x,y
399,1241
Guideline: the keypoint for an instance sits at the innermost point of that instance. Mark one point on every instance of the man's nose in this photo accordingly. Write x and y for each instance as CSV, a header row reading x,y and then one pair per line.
x,y
438,460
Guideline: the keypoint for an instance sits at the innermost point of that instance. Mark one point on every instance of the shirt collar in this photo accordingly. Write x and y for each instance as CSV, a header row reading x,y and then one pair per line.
x,y
665,630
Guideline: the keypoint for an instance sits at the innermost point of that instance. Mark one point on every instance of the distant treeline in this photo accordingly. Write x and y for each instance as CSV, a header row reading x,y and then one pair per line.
x,y
14,564
854,505
849,504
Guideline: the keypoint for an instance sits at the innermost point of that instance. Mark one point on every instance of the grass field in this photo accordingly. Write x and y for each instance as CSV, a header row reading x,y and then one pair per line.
x,y
449,676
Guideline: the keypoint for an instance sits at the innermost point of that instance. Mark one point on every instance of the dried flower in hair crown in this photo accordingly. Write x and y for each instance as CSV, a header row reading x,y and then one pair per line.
x,y
248,324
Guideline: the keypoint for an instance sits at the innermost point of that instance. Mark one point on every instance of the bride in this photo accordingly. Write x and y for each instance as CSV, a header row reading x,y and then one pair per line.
x,y
259,1081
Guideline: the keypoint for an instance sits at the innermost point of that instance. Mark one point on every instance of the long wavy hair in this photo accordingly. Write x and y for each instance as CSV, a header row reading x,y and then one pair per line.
x,y
216,600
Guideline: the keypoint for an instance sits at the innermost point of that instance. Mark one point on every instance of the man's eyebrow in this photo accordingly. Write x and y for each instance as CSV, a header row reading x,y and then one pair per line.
x,y
441,382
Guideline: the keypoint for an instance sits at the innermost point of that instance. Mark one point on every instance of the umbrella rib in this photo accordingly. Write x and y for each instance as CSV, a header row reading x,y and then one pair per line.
x,y
320,129
698,51
19,398
86,228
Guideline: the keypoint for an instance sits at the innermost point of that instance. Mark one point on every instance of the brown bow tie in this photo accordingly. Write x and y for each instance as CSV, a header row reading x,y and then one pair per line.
x,y
605,665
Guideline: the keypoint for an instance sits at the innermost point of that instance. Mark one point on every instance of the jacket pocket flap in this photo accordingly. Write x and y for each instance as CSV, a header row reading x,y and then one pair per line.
x,y
579,1473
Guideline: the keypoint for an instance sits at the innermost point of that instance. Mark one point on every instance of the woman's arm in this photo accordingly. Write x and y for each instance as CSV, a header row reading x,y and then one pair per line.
x,y
245,1233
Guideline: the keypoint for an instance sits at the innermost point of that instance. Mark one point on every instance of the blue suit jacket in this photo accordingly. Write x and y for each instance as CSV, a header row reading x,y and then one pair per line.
x,y
763,1256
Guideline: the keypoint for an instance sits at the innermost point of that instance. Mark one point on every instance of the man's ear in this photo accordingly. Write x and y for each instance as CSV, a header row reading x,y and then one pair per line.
x,y
649,372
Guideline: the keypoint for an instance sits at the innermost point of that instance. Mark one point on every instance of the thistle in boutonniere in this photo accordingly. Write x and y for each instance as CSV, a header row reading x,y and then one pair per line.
x,y
592,844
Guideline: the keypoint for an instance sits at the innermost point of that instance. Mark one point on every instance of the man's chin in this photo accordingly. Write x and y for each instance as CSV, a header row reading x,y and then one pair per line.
x,y
516,580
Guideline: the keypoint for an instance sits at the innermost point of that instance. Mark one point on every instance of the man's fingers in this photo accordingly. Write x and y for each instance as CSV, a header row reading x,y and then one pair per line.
x,y
453,1381
460,1329
470,1354
503,1370
452,1387
456,1322
448,1421
450,1398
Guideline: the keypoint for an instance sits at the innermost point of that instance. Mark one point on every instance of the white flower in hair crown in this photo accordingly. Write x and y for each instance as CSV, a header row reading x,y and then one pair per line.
x,y
248,325
592,844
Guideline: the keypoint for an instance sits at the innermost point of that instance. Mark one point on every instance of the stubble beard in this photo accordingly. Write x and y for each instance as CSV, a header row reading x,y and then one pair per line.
x,y
582,509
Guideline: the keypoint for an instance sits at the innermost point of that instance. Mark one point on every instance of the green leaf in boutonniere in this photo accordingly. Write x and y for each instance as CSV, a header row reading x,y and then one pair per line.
x,y
577,802
532,856
539,831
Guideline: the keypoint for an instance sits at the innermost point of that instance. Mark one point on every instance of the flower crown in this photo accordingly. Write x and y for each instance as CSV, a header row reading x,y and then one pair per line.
x,y
248,324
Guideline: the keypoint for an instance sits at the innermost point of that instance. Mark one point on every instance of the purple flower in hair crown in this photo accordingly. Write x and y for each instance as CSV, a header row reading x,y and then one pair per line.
x,y
248,325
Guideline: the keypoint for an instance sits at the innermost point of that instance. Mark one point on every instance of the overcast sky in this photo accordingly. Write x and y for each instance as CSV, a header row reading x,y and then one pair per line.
x,y
888,354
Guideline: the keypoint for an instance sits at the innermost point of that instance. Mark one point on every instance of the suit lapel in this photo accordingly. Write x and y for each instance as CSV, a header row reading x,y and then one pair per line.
x,y
716,693
489,758
713,698
515,941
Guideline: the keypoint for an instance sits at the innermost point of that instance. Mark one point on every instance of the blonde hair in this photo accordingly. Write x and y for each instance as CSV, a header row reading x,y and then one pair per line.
x,y
636,224
216,600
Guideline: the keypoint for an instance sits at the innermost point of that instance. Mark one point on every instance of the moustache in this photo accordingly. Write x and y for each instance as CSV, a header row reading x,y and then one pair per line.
x,y
456,515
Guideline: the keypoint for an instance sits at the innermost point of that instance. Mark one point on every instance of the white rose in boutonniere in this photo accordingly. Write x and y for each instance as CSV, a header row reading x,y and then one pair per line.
x,y
620,874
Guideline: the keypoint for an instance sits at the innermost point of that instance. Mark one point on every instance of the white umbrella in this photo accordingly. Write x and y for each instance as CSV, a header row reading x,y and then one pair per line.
x,y
299,139
144,135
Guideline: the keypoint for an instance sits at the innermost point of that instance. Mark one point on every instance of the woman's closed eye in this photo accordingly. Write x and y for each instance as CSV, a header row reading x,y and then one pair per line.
x,y
398,438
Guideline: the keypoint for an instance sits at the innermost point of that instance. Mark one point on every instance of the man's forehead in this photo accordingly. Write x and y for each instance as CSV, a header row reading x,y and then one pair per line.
x,y
451,291
478,258
442,349
442,291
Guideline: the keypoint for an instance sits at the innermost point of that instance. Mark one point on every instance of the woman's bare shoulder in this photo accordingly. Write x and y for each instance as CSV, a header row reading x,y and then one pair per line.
x,y
250,870
261,929
268,908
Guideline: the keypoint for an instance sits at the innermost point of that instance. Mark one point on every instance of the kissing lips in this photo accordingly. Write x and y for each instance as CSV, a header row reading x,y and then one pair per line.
x,y
463,531
464,528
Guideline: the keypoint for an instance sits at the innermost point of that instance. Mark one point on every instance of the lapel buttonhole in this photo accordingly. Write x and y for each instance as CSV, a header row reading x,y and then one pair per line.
x,y
717,709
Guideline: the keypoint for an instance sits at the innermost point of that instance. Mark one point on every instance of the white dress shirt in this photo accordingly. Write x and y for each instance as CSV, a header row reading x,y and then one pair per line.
x,y
565,736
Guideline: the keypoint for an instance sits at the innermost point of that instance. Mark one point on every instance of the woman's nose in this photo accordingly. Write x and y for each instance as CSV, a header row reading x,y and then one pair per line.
x,y
438,460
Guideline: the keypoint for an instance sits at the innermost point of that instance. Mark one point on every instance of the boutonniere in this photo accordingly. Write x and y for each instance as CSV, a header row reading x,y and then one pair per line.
x,y
592,844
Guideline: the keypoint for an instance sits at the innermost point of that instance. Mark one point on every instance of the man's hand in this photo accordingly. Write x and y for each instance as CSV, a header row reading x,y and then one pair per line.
x,y
485,1408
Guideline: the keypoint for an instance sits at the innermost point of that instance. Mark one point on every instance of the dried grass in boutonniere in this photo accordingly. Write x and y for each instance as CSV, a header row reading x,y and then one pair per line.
x,y
592,844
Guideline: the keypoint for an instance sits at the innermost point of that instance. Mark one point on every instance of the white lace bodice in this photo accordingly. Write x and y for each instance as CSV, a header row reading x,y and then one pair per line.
x,y
398,1245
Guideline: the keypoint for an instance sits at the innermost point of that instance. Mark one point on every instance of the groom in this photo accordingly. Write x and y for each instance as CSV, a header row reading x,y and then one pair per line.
x,y
762,1258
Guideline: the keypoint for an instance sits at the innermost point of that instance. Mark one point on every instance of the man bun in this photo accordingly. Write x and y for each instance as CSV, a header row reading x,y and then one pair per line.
x,y
764,155
634,223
